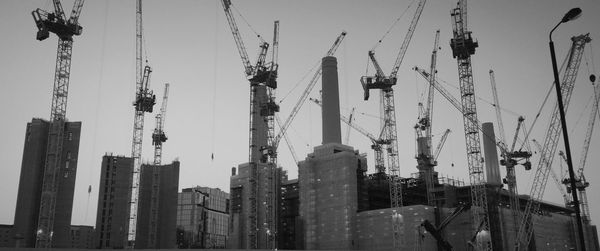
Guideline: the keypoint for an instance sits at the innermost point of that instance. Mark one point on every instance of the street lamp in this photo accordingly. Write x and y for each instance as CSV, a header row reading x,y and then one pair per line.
x,y
571,15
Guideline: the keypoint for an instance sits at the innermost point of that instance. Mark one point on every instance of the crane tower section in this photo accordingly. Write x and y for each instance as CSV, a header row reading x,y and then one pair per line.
x,y
58,24
463,47
144,102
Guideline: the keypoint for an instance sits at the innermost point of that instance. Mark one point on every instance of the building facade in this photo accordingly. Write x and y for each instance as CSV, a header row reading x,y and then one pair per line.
x,y
6,236
289,234
202,218
31,179
82,237
157,183
268,183
113,202
157,206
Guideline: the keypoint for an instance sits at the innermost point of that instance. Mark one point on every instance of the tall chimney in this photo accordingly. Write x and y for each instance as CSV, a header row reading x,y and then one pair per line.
x,y
492,166
331,101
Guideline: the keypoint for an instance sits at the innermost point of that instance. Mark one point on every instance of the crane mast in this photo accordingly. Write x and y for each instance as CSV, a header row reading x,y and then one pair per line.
x,y
158,138
509,157
388,134
425,160
263,82
144,102
65,30
463,47
550,143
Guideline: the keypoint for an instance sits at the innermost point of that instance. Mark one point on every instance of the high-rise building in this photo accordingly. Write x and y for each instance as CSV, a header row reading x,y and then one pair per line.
x,y
157,206
113,202
202,218
31,179
289,235
112,217
6,236
268,183
82,237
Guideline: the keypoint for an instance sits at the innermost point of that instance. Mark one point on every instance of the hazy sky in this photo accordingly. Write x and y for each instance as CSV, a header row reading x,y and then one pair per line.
x,y
189,45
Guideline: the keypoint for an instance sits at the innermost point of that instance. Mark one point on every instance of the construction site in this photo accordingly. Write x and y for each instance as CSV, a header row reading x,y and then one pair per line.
x,y
377,168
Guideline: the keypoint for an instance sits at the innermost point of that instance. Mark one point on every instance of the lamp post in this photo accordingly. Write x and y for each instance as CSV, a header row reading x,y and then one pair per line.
x,y
571,15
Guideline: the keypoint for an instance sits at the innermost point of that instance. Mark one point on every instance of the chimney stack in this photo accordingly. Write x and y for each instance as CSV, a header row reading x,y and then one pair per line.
x,y
331,101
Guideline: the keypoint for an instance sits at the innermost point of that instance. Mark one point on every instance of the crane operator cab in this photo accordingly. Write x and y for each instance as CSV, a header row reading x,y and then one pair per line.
x,y
376,82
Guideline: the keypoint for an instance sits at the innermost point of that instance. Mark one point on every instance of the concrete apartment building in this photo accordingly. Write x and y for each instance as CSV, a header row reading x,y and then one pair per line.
x,y
6,236
112,217
156,224
202,218
31,179
82,237
113,202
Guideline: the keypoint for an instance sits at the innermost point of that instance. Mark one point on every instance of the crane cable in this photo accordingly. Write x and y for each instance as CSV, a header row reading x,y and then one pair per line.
x,y
214,94
392,26
98,104
317,64
386,34
248,24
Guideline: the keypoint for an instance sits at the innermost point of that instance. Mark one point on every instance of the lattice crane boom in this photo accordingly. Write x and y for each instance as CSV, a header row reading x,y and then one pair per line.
x,y
557,179
65,30
589,130
350,119
497,108
550,143
582,184
248,69
438,149
406,42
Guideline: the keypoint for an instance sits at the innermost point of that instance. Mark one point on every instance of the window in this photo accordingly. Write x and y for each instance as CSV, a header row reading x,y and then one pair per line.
x,y
70,136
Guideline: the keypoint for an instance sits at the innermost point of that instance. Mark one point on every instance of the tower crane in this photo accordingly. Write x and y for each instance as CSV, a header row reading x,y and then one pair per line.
x,y
385,84
144,102
388,133
158,138
57,23
463,47
425,161
262,78
550,143
510,157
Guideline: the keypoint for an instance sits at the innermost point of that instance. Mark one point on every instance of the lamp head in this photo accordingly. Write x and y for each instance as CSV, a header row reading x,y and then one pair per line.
x,y
571,15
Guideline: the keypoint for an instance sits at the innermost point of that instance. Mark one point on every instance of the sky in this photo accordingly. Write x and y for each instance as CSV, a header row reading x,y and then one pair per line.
x,y
189,45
